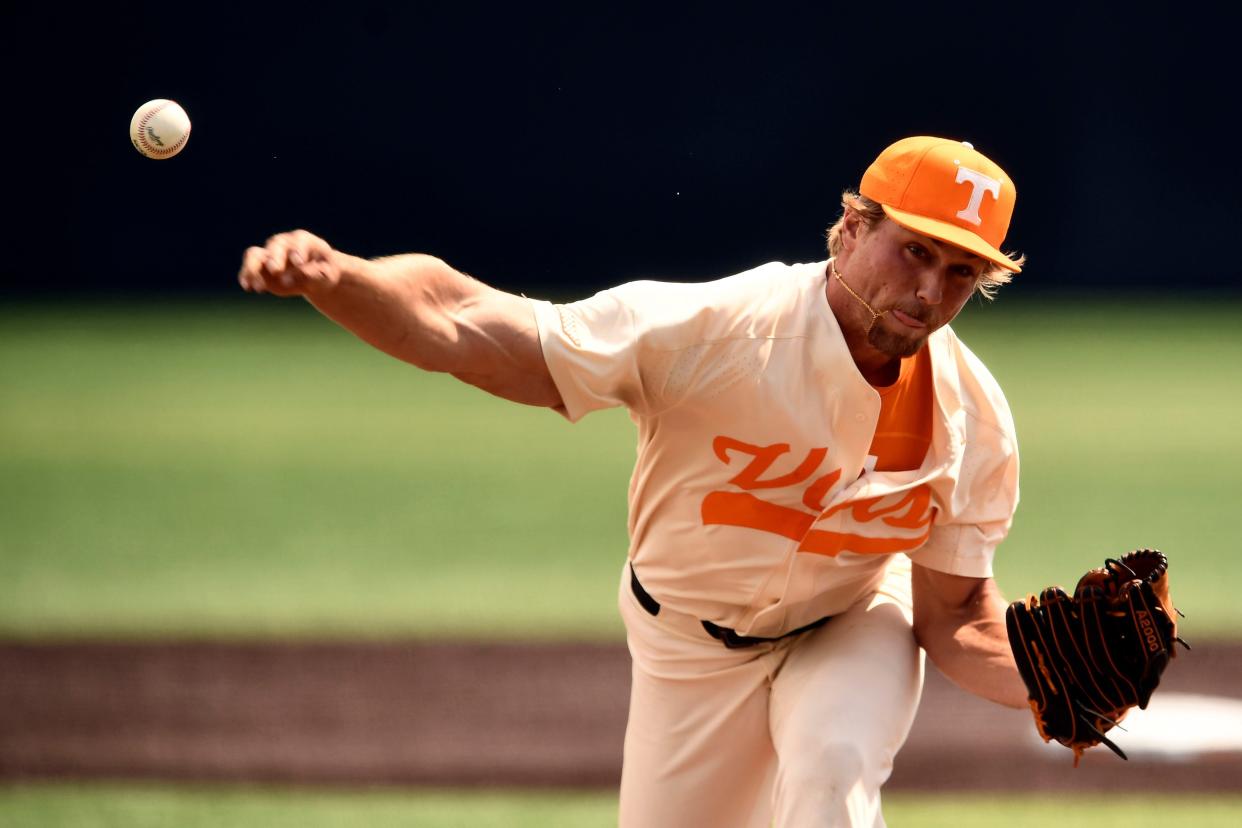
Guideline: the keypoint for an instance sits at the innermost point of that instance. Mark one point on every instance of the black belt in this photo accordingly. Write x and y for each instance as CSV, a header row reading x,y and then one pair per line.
x,y
726,636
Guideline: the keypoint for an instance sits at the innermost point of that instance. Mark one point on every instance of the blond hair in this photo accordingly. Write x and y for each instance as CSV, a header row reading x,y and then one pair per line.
x,y
872,213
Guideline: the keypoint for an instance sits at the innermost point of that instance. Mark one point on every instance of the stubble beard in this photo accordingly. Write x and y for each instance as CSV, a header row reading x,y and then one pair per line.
x,y
889,343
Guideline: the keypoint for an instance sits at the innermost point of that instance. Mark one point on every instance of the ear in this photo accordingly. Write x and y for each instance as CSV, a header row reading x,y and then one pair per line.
x,y
851,228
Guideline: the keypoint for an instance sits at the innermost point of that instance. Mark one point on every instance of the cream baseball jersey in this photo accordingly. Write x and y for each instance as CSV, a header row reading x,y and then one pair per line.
x,y
752,503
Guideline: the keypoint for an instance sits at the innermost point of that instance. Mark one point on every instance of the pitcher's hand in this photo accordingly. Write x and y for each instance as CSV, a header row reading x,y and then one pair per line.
x,y
290,264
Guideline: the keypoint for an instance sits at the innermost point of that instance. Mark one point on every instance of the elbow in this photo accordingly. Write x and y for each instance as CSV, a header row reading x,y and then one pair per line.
x,y
919,628
924,628
940,616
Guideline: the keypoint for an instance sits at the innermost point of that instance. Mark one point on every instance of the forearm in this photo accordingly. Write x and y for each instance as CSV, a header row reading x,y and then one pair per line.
x,y
402,305
969,644
415,308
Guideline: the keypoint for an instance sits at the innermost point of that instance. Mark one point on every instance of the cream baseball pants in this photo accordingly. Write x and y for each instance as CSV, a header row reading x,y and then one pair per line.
x,y
798,732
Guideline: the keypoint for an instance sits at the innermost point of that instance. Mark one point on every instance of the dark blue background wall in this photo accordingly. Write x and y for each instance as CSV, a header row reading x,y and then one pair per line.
x,y
566,148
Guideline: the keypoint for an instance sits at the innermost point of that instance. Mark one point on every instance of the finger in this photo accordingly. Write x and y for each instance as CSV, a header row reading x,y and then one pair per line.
x,y
312,257
310,248
250,276
292,248
277,255
300,272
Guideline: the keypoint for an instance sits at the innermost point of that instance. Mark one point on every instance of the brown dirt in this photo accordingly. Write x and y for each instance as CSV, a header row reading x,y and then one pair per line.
x,y
463,714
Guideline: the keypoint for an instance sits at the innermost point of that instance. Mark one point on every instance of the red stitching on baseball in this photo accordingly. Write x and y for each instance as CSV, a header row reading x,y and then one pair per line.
x,y
142,127
142,132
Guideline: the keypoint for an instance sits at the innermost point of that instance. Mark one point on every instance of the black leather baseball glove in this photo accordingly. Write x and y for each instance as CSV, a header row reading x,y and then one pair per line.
x,y
1089,657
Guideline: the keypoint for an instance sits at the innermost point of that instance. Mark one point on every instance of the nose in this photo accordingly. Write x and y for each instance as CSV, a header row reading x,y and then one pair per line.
x,y
931,286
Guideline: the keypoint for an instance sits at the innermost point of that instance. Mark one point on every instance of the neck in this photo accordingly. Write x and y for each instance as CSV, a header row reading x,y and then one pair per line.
x,y
856,317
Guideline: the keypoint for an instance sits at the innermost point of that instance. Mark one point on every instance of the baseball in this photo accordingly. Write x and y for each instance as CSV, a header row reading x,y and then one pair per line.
x,y
159,129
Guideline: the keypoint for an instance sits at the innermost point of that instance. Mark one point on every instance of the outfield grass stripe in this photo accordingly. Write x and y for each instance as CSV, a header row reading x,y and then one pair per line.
x,y
139,806
226,468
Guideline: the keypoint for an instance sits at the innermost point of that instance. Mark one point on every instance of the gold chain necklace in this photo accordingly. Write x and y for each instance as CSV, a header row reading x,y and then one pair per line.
x,y
832,267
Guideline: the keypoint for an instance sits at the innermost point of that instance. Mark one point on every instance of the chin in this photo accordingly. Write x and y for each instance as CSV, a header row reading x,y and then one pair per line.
x,y
898,347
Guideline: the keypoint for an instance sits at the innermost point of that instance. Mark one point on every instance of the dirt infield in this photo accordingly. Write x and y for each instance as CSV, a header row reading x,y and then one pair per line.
x,y
469,714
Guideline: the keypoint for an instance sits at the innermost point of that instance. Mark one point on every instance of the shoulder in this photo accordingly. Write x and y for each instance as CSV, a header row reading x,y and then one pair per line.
x,y
765,298
965,375
739,287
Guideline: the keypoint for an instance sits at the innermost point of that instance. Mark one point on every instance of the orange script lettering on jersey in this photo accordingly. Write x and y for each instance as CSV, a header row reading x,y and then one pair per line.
x,y
904,518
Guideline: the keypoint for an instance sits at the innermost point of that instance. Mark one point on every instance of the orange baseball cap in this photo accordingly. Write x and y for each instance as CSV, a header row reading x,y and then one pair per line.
x,y
947,190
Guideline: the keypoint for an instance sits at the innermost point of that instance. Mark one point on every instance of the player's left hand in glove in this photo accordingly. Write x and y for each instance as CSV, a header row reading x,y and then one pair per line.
x,y
1088,658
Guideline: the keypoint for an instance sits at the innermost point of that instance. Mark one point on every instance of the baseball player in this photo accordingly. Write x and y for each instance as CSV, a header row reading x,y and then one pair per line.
x,y
824,473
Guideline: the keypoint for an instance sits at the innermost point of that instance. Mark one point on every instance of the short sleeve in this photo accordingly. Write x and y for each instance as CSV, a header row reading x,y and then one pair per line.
x,y
591,351
976,514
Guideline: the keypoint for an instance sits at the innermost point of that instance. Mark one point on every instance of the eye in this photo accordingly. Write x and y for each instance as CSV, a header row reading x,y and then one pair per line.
x,y
965,271
917,250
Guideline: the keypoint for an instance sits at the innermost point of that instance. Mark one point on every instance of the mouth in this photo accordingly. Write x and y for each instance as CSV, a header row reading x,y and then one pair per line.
x,y
908,320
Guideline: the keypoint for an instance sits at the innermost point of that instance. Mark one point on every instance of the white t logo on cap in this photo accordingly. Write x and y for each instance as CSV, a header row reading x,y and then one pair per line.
x,y
980,184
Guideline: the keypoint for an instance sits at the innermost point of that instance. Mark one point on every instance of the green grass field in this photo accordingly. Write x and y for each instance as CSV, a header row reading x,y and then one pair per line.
x,y
134,806
246,468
